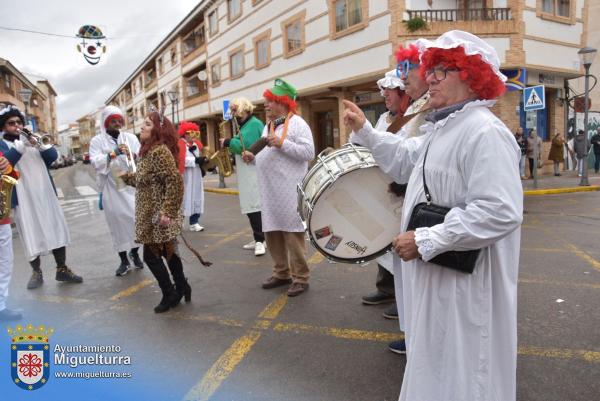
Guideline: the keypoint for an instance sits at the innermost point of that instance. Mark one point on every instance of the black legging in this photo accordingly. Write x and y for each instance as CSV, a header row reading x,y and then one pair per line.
x,y
531,167
60,257
153,256
256,224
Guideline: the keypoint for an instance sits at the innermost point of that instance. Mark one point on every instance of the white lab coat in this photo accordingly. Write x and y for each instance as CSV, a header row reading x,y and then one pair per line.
x,y
461,333
118,199
279,172
193,192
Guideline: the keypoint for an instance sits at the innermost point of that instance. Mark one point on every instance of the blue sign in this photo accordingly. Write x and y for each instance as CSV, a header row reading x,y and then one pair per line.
x,y
226,111
534,98
515,79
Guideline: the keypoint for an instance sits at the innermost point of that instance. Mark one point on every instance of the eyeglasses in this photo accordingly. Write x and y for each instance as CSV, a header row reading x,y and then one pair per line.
x,y
403,68
14,122
439,73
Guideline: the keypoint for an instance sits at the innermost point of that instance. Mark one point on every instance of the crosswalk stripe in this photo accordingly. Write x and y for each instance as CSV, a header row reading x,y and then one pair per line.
x,y
60,193
86,190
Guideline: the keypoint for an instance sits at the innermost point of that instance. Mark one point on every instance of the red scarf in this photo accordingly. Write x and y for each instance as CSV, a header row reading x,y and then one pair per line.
x,y
183,149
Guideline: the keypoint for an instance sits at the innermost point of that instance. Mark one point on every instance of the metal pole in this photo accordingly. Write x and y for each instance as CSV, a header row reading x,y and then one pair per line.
x,y
584,175
172,112
536,153
566,128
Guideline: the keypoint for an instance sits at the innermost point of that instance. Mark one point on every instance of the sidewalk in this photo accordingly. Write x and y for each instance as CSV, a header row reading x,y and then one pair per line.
x,y
547,184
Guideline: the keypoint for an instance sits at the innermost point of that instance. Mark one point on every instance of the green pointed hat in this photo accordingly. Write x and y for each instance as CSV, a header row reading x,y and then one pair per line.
x,y
282,92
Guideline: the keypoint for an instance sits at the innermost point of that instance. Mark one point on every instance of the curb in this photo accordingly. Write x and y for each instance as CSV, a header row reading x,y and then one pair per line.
x,y
222,191
529,192
553,191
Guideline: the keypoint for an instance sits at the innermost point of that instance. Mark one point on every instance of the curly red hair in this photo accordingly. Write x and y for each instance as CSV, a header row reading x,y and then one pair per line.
x,y
186,126
473,70
285,100
410,53
159,135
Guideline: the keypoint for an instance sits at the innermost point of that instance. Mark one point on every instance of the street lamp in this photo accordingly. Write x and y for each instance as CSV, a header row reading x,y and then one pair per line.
x,y
25,95
174,98
586,56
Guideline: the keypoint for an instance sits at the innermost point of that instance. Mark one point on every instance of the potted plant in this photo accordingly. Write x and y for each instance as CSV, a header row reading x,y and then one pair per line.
x,y
415,23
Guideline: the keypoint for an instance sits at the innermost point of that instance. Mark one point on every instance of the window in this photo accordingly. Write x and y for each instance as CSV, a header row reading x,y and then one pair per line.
x,y
347,16
215,73
213,22
162,97
293,35
7,80
173,56
191,42
234,9
159,64
262,50
559,8
236,63
193,85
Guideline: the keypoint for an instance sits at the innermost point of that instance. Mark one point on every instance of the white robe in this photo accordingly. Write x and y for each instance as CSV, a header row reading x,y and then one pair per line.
x,y
247,180
461,333
38,216
280,170
193,187
118,199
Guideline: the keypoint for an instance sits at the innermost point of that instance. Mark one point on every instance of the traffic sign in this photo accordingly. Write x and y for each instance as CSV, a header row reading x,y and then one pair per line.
x,y
226,111
534,98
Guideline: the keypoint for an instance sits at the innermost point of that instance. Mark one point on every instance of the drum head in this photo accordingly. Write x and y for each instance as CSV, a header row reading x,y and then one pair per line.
x,y
355,218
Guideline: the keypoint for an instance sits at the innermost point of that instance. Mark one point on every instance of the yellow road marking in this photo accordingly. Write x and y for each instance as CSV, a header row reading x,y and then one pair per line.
x,y
273,309
349,334
595,264
58,300
553,191
561,353
558,250
223,367
559,283
315,259
131,290
223,241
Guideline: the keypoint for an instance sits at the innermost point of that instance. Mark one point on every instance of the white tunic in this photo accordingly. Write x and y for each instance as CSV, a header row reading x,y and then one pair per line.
x,y
461,328
193,187
38,216
280,170
118,199
247,180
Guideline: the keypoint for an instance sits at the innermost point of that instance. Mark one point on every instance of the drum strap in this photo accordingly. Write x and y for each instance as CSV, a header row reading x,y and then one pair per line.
x,y
401,121
285,127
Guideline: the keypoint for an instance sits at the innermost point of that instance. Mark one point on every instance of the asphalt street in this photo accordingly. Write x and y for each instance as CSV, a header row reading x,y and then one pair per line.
x,y
238,342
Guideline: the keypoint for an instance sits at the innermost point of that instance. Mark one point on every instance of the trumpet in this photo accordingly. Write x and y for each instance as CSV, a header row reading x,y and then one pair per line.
x,y
43,142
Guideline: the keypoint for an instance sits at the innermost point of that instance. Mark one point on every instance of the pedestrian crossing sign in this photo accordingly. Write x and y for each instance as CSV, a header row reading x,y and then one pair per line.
x,y
534,98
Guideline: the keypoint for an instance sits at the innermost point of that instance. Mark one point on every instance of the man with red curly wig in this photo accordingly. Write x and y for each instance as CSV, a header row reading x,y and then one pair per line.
x,y
190,160
281,166
461,328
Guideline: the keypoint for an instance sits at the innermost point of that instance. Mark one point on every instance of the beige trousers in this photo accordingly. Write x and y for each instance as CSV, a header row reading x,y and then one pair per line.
x,y
288,250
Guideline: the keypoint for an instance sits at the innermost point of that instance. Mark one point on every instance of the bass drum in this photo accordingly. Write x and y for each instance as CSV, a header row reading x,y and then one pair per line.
x,y
350,214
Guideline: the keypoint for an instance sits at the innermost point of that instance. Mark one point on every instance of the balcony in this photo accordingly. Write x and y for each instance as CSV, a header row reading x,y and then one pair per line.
x,y
195,91
193,44
475,20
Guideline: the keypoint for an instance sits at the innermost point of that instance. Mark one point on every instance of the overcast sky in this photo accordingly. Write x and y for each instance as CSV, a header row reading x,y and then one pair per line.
x,y
136,26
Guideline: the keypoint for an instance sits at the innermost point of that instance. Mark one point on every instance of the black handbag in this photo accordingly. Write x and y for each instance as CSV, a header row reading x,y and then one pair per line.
x,y
427,214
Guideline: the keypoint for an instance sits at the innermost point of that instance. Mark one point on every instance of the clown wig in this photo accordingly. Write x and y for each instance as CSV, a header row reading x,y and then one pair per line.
x,y
478,74
410,53
283,99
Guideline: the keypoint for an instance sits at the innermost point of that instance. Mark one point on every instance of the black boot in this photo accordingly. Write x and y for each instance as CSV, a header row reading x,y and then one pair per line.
x,y
182,287
159,270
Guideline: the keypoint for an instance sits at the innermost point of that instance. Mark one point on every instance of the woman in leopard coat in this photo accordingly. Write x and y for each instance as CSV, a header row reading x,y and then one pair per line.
x,y
158,207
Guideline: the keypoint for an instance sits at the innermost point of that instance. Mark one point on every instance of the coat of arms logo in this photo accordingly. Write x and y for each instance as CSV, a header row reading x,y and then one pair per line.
x,y
30,356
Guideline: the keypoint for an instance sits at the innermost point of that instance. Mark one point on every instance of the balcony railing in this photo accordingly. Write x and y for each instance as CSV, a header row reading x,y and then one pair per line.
x,y
476,14
193,40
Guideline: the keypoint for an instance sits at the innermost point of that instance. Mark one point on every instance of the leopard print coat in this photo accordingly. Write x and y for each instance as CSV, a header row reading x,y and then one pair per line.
x,y
159,189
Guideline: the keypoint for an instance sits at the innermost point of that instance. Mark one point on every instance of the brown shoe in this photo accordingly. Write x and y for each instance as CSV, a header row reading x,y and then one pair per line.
x,y
273,282
297,289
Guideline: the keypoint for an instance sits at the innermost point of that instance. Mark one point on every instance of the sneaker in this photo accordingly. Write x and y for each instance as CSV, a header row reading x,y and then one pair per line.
x,y
273,282
122,270
196,227
7,315
137,262
250,245
391,313
297,289
36,280
378,298
397,347
65,274
259,249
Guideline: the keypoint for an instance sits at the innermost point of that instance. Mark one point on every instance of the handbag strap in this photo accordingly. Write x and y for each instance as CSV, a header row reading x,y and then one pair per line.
x,y
427,194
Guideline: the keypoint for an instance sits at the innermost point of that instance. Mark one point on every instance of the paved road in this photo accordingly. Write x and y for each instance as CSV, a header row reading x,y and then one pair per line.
x,y
238,342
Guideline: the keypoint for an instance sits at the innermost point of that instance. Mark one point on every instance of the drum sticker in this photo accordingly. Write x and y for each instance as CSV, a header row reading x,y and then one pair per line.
x,y
346,159
323,232
333,242
360,250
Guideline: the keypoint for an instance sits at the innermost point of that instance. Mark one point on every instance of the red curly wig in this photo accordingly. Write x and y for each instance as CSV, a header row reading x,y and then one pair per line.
x,y
473,70
159,135
285,100
410,53
187,126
